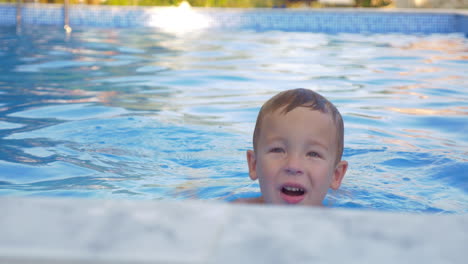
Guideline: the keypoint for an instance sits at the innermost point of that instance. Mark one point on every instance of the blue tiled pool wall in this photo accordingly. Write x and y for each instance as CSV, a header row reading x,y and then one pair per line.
x,y
462,24
329,21
7,14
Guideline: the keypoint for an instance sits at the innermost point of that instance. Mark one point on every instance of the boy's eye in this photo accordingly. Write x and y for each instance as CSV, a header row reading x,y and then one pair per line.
x,y
276,150
313,154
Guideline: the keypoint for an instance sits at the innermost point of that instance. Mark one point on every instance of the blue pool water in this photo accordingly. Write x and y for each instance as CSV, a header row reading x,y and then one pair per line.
x,y
143,114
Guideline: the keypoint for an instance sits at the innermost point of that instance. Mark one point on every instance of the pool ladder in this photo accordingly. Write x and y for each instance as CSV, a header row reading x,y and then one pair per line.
x,y
66,16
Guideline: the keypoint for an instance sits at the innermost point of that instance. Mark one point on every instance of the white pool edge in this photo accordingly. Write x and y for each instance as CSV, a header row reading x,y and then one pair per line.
x,y
47,230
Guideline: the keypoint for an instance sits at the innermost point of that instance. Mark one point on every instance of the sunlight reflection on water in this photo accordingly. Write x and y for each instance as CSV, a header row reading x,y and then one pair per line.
x,y
143,114
178,20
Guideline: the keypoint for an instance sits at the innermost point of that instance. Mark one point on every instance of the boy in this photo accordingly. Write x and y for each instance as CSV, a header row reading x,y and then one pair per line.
x,y
298,144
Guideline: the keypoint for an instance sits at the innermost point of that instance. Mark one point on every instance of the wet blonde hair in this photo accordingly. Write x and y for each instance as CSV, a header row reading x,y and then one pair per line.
x,y
290,99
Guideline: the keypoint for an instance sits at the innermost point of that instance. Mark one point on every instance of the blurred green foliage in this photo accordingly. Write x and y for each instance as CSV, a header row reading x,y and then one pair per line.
x,y
372,3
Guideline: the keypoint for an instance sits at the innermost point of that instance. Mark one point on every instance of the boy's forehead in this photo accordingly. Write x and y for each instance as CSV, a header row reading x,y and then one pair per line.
x,y
319,131
279,116
307,112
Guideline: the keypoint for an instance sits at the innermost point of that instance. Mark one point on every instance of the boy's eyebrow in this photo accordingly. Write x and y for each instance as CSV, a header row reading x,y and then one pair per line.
x,y
310,142
317,143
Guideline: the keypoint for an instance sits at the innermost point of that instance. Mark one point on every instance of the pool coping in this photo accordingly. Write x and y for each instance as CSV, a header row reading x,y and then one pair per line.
x,y
326,20
64,230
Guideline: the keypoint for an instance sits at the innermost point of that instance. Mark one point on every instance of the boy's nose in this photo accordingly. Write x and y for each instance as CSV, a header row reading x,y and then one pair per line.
x,y
293,171
293,166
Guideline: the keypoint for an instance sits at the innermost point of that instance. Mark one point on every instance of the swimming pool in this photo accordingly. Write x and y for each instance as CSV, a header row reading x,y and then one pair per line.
x,y
139,113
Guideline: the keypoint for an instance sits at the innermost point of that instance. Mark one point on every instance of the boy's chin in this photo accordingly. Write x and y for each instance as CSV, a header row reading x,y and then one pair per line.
x,y
298,200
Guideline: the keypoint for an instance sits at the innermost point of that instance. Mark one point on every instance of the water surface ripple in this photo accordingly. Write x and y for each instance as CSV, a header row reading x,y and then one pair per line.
x,y
142,114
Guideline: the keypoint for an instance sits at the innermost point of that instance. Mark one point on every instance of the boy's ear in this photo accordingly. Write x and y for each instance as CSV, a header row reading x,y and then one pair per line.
x,y
338,174
252,162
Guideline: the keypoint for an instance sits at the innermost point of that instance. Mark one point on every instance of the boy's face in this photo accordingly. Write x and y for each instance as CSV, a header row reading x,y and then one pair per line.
x,y
295,159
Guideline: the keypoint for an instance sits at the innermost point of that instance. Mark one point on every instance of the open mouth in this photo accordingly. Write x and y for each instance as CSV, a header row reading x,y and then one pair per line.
x,y
293,193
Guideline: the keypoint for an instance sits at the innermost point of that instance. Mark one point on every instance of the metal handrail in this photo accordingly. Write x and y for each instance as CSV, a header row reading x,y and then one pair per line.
x,y
19,5
66,17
